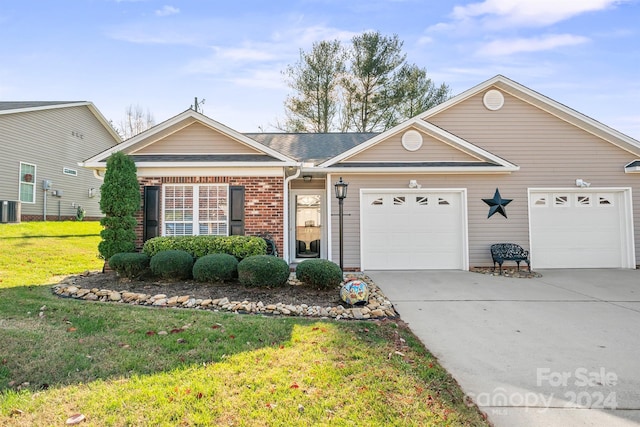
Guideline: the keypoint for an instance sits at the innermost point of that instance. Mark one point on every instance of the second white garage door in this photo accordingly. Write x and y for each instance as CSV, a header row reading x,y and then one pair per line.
x,y
413,230
581,228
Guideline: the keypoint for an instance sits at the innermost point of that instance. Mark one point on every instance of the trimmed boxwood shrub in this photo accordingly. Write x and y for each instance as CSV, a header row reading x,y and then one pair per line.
x,y
263,270
129,264
172,264
320,273
198,246
215,268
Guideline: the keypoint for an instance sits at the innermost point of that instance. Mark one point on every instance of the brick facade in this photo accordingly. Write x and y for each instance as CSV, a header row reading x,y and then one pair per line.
x,y
263,202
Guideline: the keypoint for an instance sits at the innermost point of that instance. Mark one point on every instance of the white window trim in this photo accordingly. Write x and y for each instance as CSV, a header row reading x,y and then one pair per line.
x,y
195,222
32,183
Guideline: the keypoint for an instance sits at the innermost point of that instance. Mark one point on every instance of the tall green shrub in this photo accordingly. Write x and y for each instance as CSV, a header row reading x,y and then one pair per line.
x,y
119,201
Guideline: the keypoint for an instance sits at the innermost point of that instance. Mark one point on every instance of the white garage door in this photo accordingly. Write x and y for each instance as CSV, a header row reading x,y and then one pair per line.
x,y
413,230
588,228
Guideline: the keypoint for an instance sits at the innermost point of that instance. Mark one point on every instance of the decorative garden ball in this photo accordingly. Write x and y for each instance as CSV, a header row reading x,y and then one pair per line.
x,y
355,292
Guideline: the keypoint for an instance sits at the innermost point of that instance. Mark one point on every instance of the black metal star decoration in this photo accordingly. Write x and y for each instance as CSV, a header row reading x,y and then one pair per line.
x,y
497,204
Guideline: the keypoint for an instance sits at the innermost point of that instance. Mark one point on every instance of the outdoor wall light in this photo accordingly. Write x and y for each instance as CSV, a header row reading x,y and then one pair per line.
x,y
92,192
341,189
307,178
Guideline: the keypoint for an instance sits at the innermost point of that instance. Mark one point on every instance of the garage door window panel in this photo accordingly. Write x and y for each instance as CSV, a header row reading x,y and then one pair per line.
x,y
605,200
561,200
583,200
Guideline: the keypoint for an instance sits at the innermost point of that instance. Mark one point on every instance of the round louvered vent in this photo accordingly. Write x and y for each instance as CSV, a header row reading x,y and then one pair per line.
x,y
412,140
493,100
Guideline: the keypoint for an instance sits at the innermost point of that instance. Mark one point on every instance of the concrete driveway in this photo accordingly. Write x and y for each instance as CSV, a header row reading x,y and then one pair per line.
x,y
560,350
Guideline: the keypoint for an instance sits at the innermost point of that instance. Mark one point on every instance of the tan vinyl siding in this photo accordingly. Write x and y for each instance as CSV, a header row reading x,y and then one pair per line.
x,y
53,139
549,151
432,150
197,139
314,184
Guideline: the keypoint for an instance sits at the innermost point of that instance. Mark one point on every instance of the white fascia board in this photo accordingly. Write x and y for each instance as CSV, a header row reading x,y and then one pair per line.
x,y
453,140
102,119
422,170
254,165
44,107
210,171
186,165
460,97
373,141
241,138
183,117
441,134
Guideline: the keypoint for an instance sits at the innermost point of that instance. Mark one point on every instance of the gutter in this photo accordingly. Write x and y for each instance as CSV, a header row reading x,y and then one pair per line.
x,y
285,225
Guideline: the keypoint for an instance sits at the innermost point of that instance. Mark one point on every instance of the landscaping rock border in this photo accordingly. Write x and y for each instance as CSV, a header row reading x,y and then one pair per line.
x,y
507,272
378,307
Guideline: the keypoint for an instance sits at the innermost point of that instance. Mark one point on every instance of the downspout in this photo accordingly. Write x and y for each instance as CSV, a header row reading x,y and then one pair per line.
x,y
286,237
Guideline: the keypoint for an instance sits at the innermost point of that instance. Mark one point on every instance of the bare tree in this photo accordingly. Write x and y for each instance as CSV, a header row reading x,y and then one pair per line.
x,y
136,120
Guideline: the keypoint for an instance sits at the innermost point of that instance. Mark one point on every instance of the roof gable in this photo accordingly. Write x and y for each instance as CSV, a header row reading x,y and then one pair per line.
x,y
172,143
196,138
15,107
413,145
544,103
442,150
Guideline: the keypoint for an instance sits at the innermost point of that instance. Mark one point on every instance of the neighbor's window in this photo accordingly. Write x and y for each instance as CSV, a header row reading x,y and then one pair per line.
x,y
69,171
196,210
27,186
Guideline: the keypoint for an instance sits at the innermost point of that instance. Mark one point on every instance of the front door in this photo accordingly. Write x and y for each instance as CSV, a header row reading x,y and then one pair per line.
x,y
308,239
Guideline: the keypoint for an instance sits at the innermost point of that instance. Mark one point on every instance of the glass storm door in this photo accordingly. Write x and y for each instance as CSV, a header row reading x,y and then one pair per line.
x,y
308,226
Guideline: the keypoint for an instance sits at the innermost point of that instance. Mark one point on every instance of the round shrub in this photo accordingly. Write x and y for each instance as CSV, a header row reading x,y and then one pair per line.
x,y
172,264
215,268
320,273
129,264
263,270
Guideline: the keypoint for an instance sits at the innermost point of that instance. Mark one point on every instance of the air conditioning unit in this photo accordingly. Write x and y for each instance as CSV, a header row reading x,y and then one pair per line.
x,y
10,211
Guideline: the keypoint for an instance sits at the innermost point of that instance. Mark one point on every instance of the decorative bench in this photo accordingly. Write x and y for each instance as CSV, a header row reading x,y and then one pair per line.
x,y
501,252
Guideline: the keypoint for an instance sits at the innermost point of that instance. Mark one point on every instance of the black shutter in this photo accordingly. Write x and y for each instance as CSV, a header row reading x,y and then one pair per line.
x,y
236,210
151,218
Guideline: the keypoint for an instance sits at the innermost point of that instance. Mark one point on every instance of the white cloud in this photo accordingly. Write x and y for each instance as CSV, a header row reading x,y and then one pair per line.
x,y
425,40
167,10
534,44
530,12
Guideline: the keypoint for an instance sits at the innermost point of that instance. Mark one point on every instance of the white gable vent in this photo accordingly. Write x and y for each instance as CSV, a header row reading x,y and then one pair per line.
x,y
412,140
493,100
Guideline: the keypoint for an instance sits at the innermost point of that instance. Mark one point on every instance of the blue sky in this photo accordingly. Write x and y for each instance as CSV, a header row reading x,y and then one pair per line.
x,y
161,54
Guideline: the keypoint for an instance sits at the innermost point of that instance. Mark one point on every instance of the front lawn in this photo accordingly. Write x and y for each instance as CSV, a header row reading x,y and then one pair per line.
x,y
126,365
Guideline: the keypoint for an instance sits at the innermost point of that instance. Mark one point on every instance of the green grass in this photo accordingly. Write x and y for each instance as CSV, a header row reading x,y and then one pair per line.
x,y
112,363
37,252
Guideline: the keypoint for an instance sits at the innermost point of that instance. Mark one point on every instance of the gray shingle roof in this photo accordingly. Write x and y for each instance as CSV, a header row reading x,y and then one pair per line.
x,y
311,147
19,105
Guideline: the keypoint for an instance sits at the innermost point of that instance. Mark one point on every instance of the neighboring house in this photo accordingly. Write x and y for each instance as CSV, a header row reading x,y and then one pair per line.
x,y
417,195
42,144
